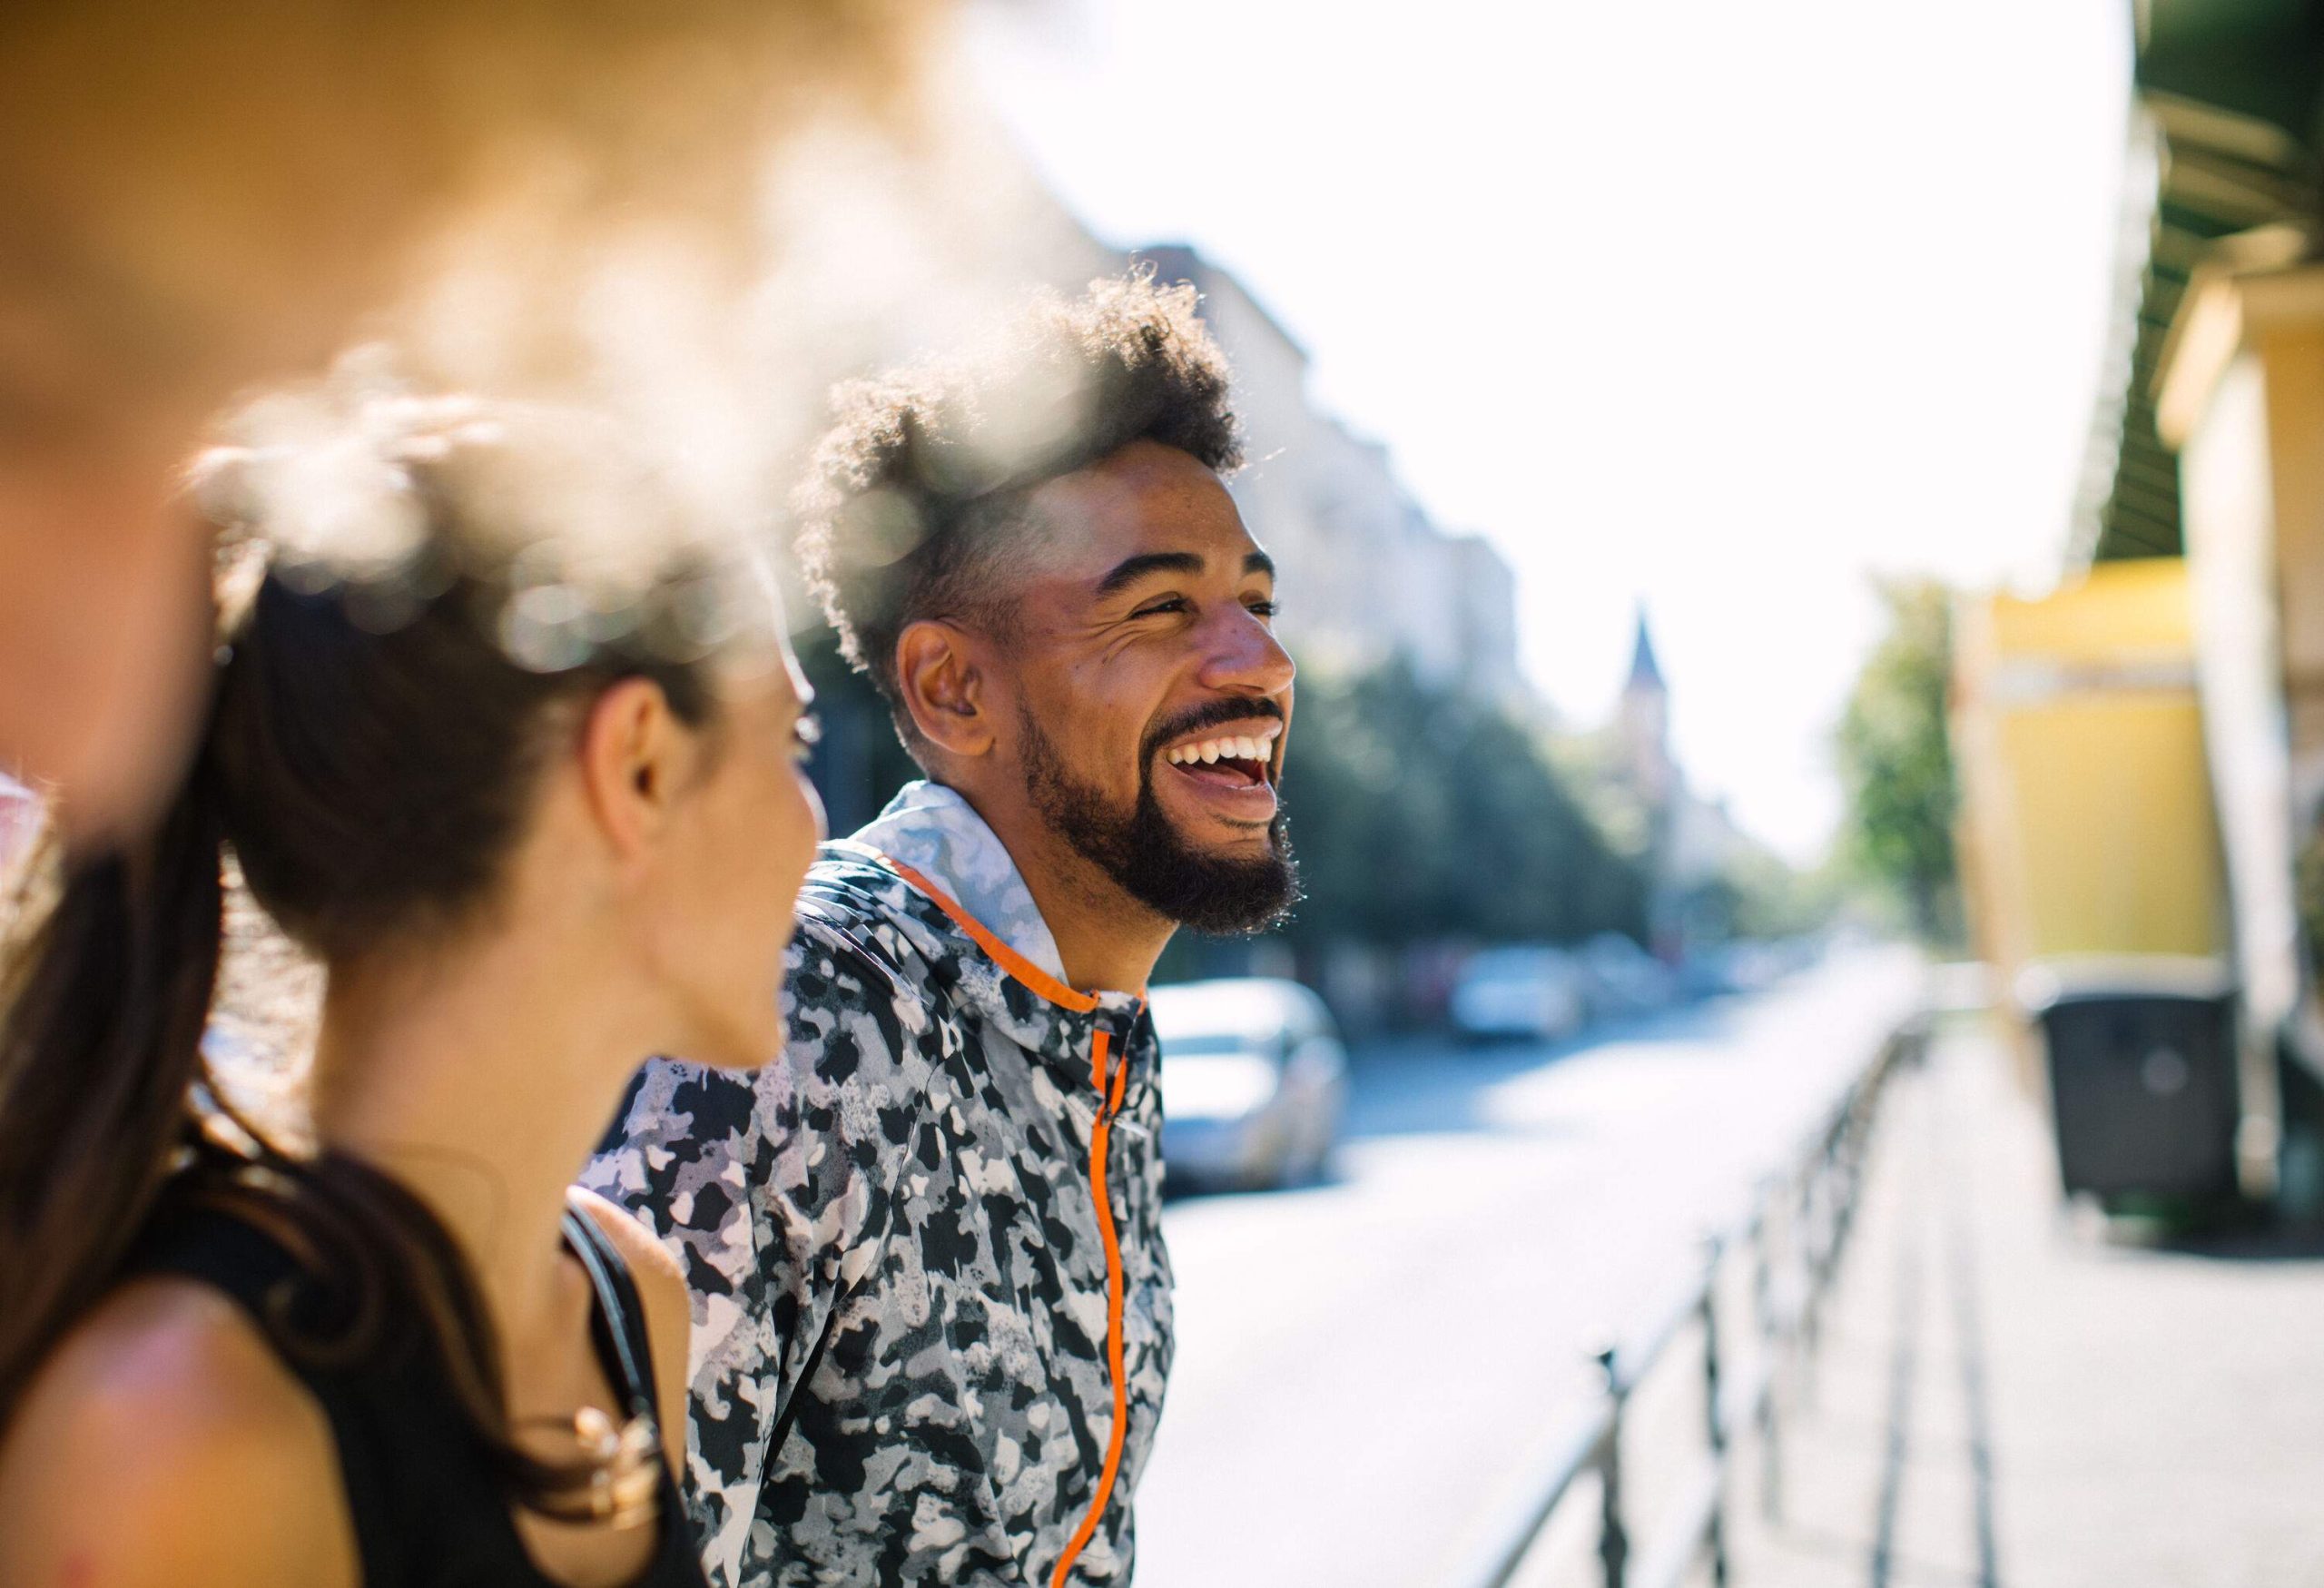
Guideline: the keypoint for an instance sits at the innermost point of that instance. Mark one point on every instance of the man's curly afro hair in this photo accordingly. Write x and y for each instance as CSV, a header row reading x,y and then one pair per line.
x,y
918,487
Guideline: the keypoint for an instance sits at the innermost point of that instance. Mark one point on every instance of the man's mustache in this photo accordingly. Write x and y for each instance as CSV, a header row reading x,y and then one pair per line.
x,y
1210,713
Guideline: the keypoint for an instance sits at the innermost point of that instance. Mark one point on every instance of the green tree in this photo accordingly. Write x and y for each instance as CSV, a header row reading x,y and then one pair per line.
x,y
1895,757
1759,894
1368,808
1420,815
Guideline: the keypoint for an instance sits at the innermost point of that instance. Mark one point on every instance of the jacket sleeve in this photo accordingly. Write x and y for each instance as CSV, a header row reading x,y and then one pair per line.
x,y
767,1186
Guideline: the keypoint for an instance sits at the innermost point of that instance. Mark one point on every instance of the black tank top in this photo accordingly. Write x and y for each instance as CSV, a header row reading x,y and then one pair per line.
x,y
428,1512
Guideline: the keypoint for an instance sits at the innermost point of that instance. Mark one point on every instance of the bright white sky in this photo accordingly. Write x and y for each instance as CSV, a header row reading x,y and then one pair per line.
x,y
1725,307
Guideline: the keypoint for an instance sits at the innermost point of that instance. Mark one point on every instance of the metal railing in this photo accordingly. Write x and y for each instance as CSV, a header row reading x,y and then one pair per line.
x,y
1815,1197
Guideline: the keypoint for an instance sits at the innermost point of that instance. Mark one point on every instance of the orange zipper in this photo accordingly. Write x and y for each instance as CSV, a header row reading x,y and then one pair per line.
x,y
1109,1102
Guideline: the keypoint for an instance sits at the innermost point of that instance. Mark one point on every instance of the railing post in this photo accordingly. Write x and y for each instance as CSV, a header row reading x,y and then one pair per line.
x,y
1613,1538
1805,1243
1859,1132
1714,1420
1770,1357
1862,1103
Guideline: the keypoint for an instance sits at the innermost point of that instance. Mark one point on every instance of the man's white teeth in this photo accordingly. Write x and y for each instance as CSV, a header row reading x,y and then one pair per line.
x,y
1242,749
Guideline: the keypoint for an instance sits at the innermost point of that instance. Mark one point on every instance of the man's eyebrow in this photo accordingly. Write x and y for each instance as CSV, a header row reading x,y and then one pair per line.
x,y
1131,569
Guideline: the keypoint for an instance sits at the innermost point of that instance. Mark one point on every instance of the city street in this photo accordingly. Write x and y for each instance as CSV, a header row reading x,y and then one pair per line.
x,y
1365,1366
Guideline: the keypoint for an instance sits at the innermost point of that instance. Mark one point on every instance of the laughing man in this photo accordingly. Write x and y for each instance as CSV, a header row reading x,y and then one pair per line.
x,y
932,1306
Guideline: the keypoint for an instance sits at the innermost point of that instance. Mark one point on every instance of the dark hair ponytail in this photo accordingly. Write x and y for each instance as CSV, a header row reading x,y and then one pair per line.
x,y
371,756
102,1011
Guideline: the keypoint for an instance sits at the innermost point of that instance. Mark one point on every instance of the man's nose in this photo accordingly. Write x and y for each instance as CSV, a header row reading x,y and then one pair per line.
x,y
1244,657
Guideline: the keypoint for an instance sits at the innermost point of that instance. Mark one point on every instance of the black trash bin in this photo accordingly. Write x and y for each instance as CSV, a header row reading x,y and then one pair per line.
x,y
2142,1075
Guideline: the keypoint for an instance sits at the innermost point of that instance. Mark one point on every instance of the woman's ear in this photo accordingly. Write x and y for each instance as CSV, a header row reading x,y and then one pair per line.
x,y
943,687
635,755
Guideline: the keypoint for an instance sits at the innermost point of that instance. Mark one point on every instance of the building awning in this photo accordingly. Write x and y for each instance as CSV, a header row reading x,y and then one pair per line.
x,y
2231,117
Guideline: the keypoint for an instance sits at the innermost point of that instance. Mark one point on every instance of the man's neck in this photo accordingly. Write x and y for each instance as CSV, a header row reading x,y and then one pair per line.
x,y
1106,940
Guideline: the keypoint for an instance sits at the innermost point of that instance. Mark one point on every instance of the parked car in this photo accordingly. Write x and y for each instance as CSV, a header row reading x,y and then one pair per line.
x,y
1714,970
1535,993
1254,1082
1623,977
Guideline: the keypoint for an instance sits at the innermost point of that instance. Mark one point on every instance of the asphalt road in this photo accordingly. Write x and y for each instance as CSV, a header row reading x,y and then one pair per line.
x,y
1365,1366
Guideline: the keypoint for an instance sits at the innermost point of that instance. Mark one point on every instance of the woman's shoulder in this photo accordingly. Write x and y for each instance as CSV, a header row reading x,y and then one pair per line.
x,y
164,1442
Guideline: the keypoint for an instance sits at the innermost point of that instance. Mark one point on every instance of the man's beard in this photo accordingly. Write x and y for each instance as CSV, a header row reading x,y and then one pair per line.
x,y
1149,860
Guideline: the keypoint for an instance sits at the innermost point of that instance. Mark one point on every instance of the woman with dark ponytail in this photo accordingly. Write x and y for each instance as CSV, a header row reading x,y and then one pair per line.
x,y
511,746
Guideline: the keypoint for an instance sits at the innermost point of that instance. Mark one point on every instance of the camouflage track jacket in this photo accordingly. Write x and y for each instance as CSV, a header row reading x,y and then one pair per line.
x,y
897,1247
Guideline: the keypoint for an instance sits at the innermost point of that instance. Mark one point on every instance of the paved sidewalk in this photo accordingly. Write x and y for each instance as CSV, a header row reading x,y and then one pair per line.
x,y
2009,1396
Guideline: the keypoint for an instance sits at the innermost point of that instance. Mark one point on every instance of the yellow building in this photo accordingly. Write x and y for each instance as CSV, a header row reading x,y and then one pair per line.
x,y
2212,449
2088,827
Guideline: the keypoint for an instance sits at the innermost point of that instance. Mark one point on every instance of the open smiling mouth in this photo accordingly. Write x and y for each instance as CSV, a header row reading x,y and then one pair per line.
x,y
1236,770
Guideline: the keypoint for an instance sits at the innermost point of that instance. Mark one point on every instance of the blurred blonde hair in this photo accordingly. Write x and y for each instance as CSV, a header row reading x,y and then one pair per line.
x,y
166,167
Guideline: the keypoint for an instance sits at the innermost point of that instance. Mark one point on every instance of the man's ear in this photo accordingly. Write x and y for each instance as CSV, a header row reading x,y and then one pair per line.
x,y
944,687
635,756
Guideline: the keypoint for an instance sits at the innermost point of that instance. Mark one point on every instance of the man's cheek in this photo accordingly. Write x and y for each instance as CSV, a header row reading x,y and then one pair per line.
x,y
1125,766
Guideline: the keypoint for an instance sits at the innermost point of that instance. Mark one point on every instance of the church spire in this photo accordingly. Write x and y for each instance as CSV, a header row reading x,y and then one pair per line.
x,y
1646,673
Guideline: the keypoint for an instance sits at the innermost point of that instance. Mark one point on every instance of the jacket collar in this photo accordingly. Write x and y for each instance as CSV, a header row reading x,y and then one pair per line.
x,y
954,862
936,832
